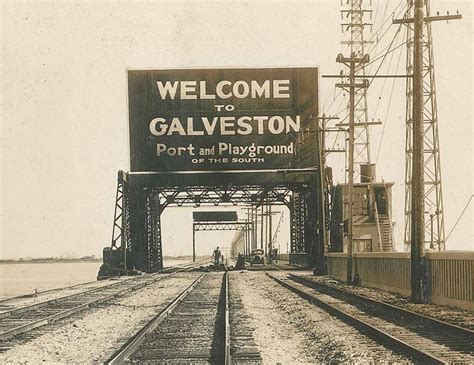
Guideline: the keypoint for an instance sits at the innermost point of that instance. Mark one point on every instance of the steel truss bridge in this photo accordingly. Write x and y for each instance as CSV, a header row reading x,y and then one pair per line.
x,y
141,198
218,226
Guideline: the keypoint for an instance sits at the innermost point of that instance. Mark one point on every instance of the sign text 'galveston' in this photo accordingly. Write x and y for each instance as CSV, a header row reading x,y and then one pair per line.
x,y
221,119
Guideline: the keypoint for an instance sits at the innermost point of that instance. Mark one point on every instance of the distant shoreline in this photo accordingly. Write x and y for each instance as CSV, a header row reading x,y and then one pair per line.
x,y
53,260
47,261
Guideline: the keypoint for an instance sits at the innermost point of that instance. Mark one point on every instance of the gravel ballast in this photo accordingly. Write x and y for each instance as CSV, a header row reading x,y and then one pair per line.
x,y
444,313
94,335
290,330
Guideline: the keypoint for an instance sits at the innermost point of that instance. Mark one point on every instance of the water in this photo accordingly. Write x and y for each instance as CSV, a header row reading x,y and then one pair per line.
x,y
21,279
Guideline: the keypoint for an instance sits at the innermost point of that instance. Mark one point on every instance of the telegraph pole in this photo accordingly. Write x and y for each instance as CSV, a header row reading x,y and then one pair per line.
x,y
422,168
262,245
269,244
417,206
350,190
433,194
352,63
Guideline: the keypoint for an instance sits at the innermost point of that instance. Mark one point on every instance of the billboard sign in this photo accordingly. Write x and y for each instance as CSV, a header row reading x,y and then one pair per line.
x,y
213,216
221,119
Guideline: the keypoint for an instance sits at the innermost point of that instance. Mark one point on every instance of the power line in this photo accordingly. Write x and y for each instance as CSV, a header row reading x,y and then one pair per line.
x,y
464,210
388,107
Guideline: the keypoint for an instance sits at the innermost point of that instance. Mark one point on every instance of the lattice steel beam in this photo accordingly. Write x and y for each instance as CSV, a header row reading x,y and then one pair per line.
x,y
220,226
297,218
433,194
205,195
356,25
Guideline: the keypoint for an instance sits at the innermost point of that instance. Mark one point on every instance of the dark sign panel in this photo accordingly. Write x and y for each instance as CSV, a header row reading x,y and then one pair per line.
x,y
222,119
220,216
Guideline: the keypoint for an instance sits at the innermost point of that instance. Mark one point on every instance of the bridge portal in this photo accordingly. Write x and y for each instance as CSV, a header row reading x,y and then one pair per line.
x,y
225,145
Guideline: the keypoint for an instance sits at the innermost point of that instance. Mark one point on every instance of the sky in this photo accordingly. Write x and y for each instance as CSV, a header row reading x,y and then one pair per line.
x,y
64,104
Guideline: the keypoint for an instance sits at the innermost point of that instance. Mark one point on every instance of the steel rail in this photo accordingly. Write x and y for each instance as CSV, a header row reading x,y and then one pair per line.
x,y
402,311
375,333
227,357
169,270
142,281
11,312
69,311
26,296
127,349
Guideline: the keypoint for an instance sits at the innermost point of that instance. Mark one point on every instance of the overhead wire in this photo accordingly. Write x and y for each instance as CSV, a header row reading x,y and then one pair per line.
x,y
386,54
385,79
387,24
462,213
383,85
385,50
388,108
384,23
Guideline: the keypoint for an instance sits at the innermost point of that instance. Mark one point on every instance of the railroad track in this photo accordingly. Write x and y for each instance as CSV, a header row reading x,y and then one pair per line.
x,y
194,327
202,325
27,318
422,338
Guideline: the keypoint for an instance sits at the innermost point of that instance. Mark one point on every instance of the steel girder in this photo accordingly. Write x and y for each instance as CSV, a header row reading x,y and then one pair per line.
x,y
297,215
154,257
220,226
218,195
121,227
139,208
308,226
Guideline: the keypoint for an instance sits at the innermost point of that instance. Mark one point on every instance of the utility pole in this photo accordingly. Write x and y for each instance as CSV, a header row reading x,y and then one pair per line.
x,y
194,242
433,192
266,230
423,188
252,219
249,229
350,190
352,63
256,227
269,250
261,228
417,206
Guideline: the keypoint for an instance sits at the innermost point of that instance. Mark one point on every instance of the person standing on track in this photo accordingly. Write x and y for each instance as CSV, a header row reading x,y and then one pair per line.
x,y
216,256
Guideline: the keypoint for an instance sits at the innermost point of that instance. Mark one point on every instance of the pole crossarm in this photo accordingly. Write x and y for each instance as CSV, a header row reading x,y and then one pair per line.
x,y
427,19
358,124
347,60
368,76
363,85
